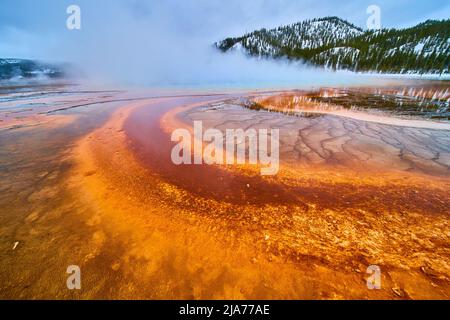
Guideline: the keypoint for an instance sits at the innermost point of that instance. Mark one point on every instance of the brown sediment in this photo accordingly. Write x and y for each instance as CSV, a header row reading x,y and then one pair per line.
x,y
30,121
38,105
226,232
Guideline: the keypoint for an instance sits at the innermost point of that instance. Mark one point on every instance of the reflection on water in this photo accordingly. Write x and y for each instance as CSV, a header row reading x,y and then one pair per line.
x,y
426,101
40,226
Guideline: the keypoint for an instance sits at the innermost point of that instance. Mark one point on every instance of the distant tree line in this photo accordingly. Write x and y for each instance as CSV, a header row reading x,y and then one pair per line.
x,y
337,44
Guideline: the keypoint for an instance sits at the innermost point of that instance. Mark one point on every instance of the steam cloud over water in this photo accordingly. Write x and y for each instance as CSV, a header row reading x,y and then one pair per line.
x,y
166,43
147,45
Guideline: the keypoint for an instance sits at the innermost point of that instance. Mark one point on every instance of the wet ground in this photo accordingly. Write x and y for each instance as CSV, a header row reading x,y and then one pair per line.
x,y
89,182
421,100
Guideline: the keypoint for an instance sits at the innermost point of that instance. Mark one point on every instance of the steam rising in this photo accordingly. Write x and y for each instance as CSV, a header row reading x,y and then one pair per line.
x,y
170,43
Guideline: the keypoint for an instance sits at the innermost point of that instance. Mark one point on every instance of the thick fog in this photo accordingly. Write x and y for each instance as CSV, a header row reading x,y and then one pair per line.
x,y
170,43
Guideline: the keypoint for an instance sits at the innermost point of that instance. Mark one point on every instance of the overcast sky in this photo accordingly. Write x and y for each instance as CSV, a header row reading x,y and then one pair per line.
x,y
171,31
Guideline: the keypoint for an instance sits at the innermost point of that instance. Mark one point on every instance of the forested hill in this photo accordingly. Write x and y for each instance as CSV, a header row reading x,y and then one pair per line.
x,y
334,43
